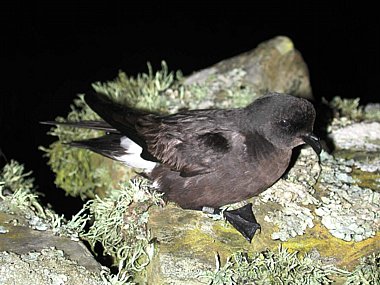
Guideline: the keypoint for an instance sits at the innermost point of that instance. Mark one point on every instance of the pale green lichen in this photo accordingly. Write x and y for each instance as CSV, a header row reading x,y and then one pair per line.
x,y
372,112
283,267
351,110
367,272
75,169
143,91
267,267
347,107
224,90
14,178
120,224
121,278
165,92
20,188
71,228
18,196
293,198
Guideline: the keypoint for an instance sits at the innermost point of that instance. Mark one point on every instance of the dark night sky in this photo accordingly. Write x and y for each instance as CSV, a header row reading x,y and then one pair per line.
x,y
49,54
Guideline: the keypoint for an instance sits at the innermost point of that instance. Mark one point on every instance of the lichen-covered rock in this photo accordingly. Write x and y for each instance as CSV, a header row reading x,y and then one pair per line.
x,y
321,204
19,237
46,267
348,211
292,197
36,245
327,206
363,136
275,65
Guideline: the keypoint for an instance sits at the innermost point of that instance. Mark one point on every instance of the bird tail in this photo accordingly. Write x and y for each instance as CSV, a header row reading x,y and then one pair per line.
x,y
108,145
123,118
122,142
119,148
117,118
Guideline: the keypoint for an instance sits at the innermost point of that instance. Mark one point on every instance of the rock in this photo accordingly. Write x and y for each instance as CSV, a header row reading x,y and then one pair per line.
x,y
363,136
30,251
45,267
21,239
183,236
320,205
275,65
30,256
190,235
344,215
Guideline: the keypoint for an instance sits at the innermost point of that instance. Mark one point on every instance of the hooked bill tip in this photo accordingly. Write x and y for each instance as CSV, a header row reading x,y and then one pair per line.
x,y
312,140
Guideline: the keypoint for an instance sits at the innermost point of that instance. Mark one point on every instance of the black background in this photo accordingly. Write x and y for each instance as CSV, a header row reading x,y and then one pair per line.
x,y
50,53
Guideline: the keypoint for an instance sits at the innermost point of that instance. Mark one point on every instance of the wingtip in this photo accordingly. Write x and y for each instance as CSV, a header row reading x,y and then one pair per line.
x,y
50,123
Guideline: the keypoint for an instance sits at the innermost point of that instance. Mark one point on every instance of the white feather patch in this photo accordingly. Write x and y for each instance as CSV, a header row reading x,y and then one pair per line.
x,y
132,156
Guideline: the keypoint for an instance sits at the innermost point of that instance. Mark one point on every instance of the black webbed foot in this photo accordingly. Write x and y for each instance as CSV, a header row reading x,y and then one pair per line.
x,y
243,221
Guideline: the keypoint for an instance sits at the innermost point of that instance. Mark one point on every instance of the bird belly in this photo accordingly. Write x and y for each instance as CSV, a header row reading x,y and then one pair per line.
x,y
220,187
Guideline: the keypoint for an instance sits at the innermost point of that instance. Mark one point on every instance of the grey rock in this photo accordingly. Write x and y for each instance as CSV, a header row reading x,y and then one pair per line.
x,y
358,136
21,240
347,210
275,65
46,267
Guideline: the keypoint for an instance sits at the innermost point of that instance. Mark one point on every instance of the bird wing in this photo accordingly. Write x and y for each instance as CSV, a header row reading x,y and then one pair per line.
x,y
192,142
93,125
120,117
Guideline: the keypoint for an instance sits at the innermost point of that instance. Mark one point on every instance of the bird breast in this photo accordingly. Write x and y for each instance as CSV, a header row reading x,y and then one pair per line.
x,y
232,181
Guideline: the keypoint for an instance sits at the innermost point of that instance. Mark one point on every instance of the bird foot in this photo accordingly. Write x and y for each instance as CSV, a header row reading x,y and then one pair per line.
x,y
243,221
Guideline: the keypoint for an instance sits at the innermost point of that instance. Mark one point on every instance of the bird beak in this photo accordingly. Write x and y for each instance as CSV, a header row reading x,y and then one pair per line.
x,y
313,141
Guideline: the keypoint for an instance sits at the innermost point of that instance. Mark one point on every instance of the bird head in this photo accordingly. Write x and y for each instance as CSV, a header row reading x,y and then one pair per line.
x,y
286,121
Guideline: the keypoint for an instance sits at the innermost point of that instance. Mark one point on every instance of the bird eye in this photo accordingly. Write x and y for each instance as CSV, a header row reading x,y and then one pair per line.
x,y
284,123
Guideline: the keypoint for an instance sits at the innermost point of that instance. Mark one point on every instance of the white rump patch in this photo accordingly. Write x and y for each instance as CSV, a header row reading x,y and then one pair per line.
x,y
132,156
156,184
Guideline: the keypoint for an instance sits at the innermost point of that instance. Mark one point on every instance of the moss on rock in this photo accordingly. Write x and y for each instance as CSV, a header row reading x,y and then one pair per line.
x,y
182,245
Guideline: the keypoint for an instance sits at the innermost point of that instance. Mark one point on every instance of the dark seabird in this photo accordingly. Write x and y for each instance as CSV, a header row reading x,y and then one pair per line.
x,y
205,159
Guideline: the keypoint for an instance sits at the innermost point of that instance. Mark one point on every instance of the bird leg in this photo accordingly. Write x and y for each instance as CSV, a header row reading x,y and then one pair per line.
x,y
241,219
